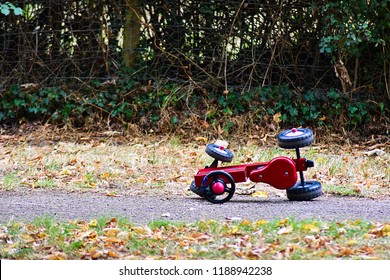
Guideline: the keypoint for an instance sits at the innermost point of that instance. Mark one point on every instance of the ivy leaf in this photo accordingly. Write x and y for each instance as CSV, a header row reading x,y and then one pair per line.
x,y
5,10
18,11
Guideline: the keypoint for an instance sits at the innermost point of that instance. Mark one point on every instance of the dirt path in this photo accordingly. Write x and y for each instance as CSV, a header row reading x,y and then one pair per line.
x,y
140,210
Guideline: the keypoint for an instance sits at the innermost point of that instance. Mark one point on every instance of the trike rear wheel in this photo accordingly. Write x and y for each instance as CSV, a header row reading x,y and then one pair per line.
x,y
309,191
295,138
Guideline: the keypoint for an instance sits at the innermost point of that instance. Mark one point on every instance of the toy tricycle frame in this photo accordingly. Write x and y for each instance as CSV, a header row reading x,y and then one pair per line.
x,y
217,184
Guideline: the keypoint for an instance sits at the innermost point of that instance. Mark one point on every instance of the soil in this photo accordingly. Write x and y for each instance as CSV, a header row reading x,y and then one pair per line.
x,y
27,205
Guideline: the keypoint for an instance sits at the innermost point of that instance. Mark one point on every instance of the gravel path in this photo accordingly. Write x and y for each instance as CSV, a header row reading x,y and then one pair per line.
x,y
25,206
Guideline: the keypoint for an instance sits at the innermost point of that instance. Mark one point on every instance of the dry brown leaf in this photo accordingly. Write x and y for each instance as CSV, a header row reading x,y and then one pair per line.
x,y
111,232
285,230
113,254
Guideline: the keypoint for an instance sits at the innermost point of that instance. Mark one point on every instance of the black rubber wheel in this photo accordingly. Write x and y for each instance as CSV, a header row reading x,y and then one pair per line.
x,y
309,191
221,177
295,138
219,153
195,189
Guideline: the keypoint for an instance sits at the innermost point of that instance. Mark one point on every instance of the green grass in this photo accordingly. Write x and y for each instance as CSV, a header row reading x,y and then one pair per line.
x,y
118,238
10,180
46,183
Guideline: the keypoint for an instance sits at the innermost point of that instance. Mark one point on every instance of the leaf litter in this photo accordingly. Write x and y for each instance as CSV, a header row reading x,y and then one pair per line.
x,y
165,166
116,238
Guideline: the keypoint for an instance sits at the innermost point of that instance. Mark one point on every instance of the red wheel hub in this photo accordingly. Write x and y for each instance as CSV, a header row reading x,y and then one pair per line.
x,y
218,188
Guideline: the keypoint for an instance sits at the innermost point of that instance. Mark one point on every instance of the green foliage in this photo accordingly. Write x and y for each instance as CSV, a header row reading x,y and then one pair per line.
x,y
6,9
350,25
170,104
314,108
44,103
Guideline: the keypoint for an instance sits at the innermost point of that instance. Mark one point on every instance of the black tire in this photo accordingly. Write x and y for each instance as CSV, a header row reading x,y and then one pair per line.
x,y
295,138
195,189
219,153
309,191
222,177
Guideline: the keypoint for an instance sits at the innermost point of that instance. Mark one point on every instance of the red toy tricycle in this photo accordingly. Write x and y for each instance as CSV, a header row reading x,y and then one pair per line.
x,y
217,184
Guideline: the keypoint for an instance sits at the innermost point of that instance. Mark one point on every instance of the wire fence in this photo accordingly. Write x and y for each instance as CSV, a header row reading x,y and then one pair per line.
x,y
215,44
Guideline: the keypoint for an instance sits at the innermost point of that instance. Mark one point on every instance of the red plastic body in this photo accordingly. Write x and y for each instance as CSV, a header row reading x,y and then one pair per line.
x,y
280,172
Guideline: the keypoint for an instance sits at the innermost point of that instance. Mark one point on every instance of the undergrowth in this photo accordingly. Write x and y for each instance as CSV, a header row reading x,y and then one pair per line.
x,y
172,106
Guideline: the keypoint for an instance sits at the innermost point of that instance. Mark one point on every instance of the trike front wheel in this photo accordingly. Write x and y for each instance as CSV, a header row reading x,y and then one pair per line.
x,y
218,187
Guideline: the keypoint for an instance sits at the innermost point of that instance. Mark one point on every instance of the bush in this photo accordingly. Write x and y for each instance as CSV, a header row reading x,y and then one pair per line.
x,y
165,107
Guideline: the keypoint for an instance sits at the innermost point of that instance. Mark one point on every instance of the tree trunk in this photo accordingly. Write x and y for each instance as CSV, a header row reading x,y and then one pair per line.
x,y
131,33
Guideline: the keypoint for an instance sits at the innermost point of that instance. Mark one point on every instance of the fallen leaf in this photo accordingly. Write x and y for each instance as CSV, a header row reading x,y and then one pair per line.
x,y
142,180
27,238
111,232
253,255
94,253
89,234
93,223
310,228
112,254
200,237
38,158
65,171
261,222
246,223
341,231
56,256
112,240
262,194
285,230
201,139
380,230
112,194
276,117
283,222
386,230
345,251
332,249
323,118
191,251
41,235
352,242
